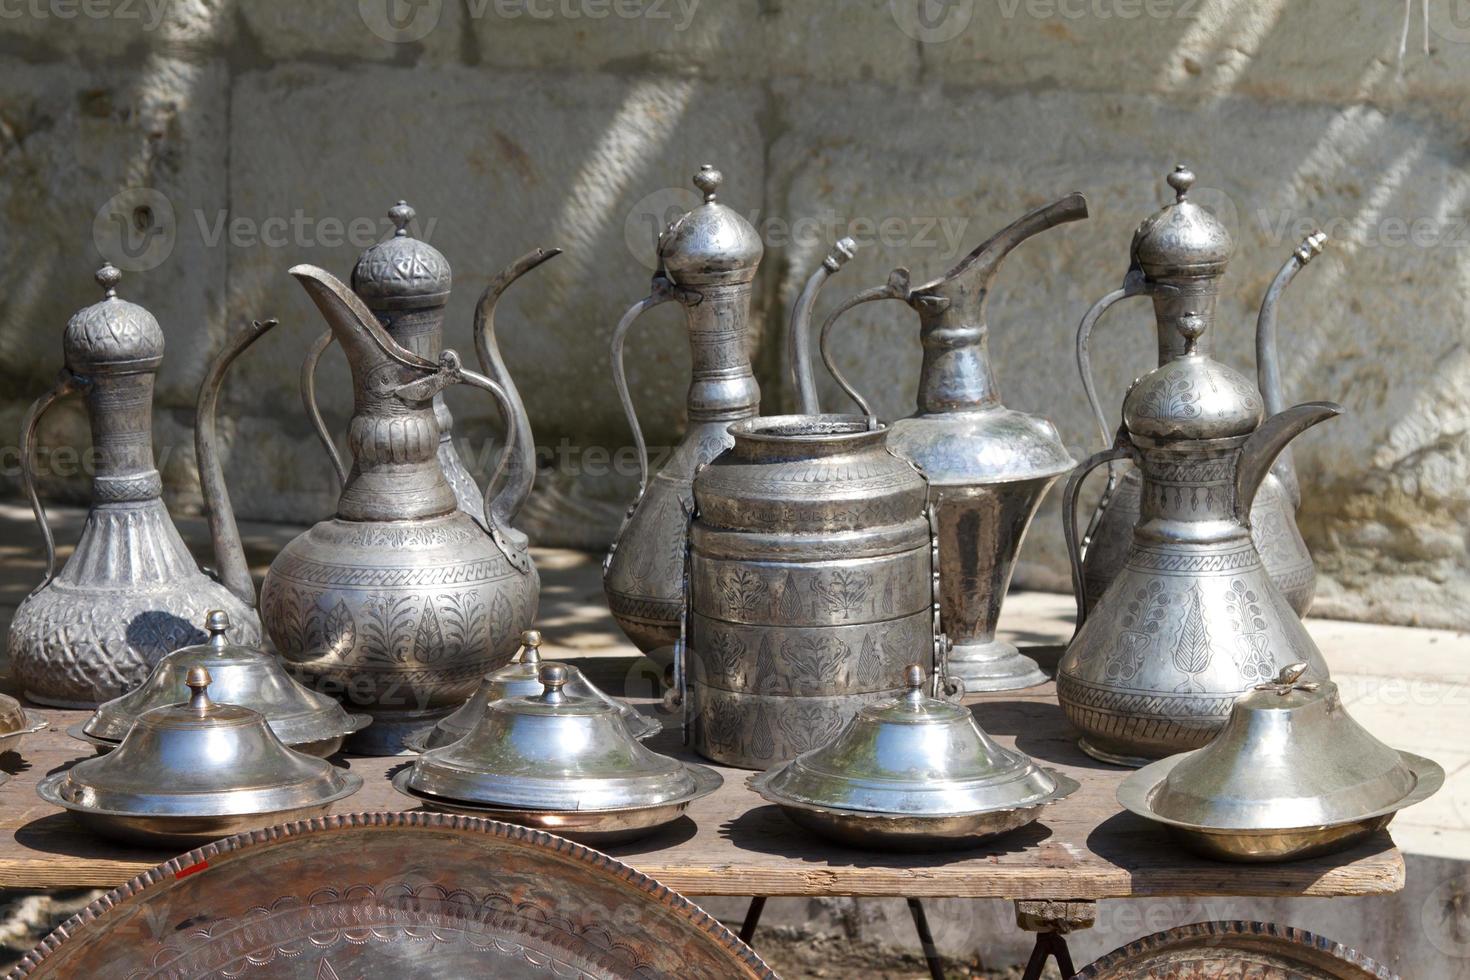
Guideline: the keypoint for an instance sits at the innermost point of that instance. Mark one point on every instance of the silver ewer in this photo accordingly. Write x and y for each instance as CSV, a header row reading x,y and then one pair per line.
x,y
1192,620
707,261
1177,259
131,592
810,585
989,465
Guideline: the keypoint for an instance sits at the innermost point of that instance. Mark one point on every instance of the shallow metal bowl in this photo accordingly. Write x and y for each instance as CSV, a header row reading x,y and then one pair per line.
x,y
599,827
911,832
1256,845
10,741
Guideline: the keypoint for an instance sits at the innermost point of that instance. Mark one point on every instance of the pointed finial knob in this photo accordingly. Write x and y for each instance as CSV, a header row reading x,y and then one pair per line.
x,y
1182,179
552,677
530,647
198,684
708,181
401,214
913,677
108,277
217,621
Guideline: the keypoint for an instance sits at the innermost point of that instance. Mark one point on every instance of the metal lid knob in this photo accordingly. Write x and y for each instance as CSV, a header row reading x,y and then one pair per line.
x,y
708,181
217,621
1182,179
531,646
198,683
108,277
552,678
401,214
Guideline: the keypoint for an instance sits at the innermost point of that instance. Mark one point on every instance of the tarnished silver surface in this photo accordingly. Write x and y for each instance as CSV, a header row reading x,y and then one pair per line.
x,y
599,828
1234,951
550,752
406,283
16,723
522,679
707,261
989,465
810,585
407,896
194,769
913,772
401,602
1192,620
130,592
1178,257
1291,775
301,718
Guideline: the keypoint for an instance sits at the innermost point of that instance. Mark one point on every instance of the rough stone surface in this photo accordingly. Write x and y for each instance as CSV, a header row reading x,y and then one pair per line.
x,y
575,123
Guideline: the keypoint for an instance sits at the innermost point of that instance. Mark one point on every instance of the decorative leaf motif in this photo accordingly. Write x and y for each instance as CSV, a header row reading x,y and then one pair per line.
x,y
1192,649
1129,652
808,727
762,745
769,678
815,661
428,637
869,669
742,591
338,631
725,653
788,603
844,593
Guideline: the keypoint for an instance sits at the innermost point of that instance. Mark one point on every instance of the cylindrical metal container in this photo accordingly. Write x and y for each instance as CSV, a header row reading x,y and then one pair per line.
x,y
809,585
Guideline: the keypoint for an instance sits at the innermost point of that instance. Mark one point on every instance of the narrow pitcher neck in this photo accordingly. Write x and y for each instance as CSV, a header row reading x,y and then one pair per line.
x,y
120,409
395,451
723,386
421,331
1188,492
956,375
1198,296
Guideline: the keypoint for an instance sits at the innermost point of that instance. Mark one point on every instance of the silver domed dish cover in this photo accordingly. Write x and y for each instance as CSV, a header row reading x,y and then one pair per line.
x,y
521,679
919,769
16,723
301,718
1291,774
551,752
194,771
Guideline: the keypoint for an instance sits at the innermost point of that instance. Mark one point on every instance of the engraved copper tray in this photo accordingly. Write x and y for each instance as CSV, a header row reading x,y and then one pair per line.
x,y
401,895
1228,950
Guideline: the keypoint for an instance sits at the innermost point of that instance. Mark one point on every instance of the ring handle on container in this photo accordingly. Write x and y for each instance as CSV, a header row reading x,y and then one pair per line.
x,y
1119,450
66,384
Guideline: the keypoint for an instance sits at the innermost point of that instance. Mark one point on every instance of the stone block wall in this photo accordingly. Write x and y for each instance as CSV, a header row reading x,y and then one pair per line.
x,y
208,145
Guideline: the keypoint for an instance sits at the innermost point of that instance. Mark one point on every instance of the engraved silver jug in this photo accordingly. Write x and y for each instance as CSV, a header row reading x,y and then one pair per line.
x,y
131,592
989,466
401,602
1193,619
1178,257
707,261
406,283
810,585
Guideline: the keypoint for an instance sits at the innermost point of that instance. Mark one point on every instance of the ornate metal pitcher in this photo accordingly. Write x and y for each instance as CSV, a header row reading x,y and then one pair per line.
x,y
707,260
131,592
1192,620
401,602
989,466
1178,258
406,283
810,585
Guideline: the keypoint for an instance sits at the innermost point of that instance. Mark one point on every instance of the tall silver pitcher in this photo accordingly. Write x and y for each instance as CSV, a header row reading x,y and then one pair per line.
x,y
989,466
1177,259
131,592
707,261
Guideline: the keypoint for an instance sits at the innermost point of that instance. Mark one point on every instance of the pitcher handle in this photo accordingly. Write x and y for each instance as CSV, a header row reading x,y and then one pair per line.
x,y
1134,284
308,398
897,287
66,384
1119,450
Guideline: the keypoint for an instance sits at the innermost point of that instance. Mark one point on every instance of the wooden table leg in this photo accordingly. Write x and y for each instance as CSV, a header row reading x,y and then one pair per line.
x,y
752,919
926,939
1052,921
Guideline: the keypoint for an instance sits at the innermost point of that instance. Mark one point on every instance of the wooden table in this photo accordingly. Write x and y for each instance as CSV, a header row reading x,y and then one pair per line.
x,y
733,843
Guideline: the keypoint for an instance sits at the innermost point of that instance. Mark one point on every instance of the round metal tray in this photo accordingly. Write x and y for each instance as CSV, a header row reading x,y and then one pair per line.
x,y
603,828
1259,950
401,895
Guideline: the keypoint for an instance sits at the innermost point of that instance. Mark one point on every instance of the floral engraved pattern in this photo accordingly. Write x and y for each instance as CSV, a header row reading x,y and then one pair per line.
x,y
869,670
1251,653
1141,622
1173,398
725,652
787,603
762,745
845,593
815,661
808,727
1192,649
769,678
743,592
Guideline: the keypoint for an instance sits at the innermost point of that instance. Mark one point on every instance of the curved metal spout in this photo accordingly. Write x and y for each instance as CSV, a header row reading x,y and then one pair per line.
x,y
507,491
1267,442
362,337
1268,365
974,273
800,341
229,553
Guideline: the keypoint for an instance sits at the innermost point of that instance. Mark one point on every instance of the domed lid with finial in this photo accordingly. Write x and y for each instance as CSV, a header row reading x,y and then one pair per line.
x,y
711,244
1182,239
1193,396
113,334
402,272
